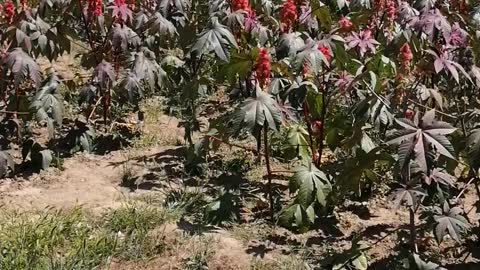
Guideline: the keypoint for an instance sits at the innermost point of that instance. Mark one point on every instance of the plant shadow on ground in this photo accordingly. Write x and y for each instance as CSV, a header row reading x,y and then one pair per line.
x,y
164,168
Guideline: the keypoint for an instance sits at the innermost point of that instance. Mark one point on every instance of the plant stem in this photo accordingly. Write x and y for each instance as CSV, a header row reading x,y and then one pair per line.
x,y
269,170
413,231
85,22
309,127
322,128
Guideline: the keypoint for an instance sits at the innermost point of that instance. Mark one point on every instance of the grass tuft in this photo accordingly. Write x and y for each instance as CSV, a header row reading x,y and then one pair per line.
x,y
72,239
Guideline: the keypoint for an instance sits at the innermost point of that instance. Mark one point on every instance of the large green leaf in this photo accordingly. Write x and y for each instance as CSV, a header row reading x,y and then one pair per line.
x,y
240,64
217,38
310,185
256,112
297,216
159,25
361,167
146,68
310,56
297,139
418,140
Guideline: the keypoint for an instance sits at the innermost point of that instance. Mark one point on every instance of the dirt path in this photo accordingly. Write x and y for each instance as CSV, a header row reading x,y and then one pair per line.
x,y
88,180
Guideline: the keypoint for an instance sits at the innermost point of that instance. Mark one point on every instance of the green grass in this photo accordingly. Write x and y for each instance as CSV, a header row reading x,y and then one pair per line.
x,y
73,239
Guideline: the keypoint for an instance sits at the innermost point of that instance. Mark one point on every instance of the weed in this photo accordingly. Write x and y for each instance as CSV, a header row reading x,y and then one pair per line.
x,y
71,239
200,251
128,176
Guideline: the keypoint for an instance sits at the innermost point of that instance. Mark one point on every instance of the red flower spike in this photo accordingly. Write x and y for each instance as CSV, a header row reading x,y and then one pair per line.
x,y
378,5
345,24
304,69
94,7
23,3
8,10
262,67
288,15
390,12
405,56
240,5
325,51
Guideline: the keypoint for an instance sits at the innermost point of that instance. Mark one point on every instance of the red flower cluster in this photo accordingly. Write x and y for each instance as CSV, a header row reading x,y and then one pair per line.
x,y
241,4
405,56
345,24
262,67
390,12
8,10
378,5
94,7
288,15
23,3
325,51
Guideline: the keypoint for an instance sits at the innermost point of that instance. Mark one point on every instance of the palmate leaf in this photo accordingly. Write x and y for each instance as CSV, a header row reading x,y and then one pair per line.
x,y
440,176
443,63
310,55
121,12
133,87
473,148
297,216
289,44
47,103
417,140
217,38
361,167
223,209
178,5
450,221
6,163
310,184
256,112
159,25
240,64
146,68
23,67
409,196
104,74
297,139
119,37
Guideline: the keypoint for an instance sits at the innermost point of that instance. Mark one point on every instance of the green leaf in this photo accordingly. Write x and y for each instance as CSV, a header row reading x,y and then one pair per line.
x,y
216,39
297,139
310,185
47,103
256,112
240,64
